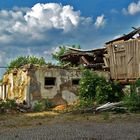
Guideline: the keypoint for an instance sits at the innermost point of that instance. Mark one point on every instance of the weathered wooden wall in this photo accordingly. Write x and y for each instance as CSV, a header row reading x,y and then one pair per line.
x,y
124,60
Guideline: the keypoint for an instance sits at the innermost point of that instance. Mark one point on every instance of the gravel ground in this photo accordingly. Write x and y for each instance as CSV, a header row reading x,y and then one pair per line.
x,y
76,131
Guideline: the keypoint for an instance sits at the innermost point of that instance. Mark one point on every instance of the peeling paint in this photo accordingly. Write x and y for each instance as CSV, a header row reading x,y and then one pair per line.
x,y
28,84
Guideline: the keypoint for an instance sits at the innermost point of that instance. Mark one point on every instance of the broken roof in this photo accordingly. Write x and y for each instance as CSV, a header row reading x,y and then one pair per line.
x,y
75,51
127,36
74,55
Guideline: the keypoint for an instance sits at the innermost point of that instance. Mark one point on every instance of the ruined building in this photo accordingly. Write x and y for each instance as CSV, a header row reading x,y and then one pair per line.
x,y
88,58
32,83
123,55
120,57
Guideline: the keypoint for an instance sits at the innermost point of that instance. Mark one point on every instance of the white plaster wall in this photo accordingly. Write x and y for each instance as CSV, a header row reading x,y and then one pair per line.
x,y
69,96
63,89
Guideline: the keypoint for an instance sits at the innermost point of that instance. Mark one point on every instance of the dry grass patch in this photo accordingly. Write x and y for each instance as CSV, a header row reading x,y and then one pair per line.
x,y
19,120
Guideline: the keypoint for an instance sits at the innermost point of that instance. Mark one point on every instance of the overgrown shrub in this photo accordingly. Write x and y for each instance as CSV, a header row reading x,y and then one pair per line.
x,y
7,105
23,60
96,88
38,107
84,103
136,86
108,92
11,104
88,84
48,104
132,101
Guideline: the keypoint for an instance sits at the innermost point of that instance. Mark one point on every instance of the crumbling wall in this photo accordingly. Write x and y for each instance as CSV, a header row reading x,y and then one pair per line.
x,y
15,85
34,84
62,92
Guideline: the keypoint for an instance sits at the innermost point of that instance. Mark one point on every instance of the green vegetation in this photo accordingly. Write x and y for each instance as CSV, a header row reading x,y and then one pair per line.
x,y
8,104
38,107
132,100
23,60
62,50
42,105
96,88
48,104
84,103
56,56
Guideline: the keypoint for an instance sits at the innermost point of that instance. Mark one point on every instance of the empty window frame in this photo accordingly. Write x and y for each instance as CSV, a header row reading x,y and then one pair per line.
x,y
50,81
75,81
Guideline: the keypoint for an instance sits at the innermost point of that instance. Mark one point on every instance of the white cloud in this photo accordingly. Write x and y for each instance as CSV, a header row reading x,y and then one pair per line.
x,y
114,11
100,21
40,23
40,29
53,15
132,9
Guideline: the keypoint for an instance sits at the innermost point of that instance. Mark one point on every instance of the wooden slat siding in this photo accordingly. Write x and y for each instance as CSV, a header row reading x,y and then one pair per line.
x,y
134,62
125,64
113,64
111,55
138,58
130,59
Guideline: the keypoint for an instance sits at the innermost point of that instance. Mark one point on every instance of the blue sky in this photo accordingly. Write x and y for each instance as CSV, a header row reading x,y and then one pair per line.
x,y
38,27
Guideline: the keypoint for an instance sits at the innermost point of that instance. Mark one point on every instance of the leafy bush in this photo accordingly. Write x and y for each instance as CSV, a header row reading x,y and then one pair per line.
x,y
23,60
136,86
84,103
132,101
88,83
38,107
95,87
108,92
8,104
48,104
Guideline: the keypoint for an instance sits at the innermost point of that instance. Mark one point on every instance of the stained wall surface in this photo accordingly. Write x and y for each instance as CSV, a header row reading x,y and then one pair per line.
x,y
38,83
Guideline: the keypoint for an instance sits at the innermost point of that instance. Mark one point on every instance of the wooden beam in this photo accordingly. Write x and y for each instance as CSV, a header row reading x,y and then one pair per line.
x,y
134,28
85,60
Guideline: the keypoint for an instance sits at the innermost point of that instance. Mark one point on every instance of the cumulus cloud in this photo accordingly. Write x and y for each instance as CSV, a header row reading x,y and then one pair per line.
x,y
132,9
42,23
100,21
53,15
40,29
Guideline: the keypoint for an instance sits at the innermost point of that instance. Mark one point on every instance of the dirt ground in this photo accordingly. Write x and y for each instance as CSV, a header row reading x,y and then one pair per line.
x,y
52,125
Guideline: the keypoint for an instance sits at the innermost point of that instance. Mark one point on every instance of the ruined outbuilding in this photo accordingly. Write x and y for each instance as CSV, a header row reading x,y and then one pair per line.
x,y
123,56
32,83
89,58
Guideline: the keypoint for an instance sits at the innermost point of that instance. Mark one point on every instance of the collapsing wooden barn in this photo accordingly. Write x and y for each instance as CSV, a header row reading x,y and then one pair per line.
x,y
124,57
89,58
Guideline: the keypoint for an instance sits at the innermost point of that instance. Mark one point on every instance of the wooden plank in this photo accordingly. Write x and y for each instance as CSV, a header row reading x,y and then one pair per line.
x,y
85,60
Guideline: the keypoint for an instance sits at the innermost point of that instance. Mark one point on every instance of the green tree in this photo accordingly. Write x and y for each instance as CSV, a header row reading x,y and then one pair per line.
x,y
23,60
62,50
95,87
56,56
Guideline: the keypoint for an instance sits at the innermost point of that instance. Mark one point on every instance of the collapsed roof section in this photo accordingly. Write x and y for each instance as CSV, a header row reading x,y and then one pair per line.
x,y
132,35
89,58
